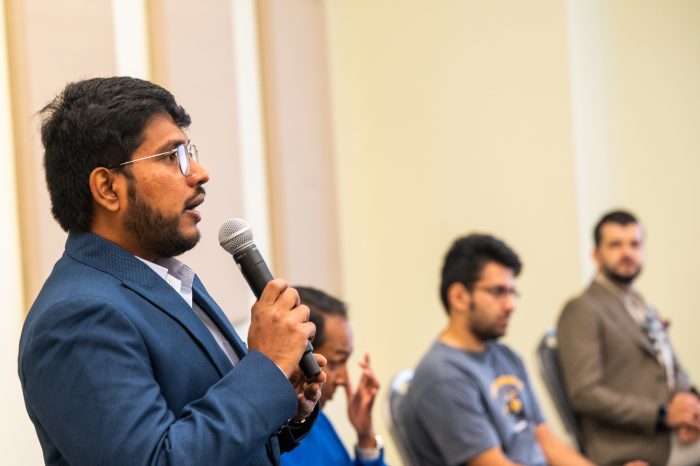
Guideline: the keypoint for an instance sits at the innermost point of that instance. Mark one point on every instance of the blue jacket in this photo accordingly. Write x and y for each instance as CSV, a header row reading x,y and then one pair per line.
x,y
323,447
117,369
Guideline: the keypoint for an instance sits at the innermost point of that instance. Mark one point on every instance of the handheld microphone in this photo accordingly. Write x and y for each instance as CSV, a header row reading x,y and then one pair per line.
x,y
236,237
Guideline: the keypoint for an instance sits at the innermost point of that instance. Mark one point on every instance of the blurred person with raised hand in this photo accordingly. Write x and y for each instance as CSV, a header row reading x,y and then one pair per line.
x,y
333,339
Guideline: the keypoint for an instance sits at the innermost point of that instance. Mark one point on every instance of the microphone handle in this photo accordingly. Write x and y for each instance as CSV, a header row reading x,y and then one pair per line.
x,y
257,274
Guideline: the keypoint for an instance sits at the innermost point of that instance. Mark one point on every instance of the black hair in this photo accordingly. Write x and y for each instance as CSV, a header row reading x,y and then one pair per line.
x,y
621,217
467,257
321,305
97,122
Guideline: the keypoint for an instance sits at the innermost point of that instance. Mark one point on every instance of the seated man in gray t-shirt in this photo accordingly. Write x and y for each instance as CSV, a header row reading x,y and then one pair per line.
x,y
470,401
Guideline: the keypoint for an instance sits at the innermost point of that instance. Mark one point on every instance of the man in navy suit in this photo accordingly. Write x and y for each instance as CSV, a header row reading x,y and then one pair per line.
x,y
124,358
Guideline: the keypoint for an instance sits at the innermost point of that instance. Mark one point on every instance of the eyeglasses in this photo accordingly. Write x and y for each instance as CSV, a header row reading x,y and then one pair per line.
x,y
183,152
500,292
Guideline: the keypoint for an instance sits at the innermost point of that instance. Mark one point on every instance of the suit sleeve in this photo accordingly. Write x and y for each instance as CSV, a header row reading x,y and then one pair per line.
x,y
581,358
89,383
290,436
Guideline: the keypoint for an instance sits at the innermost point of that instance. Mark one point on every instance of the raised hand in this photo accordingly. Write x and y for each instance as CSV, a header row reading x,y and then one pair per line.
x,y
687,435
683,410
360,404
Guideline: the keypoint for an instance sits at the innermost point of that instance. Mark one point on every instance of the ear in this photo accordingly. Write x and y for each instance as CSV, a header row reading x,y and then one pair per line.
x,y
105,189
458,297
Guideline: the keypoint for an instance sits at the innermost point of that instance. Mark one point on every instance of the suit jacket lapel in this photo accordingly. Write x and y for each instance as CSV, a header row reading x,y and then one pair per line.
x,y
612,308
206,302
104,255
161,295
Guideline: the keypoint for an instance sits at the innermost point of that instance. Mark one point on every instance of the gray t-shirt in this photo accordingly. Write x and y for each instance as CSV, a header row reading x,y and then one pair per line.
x,y
462,403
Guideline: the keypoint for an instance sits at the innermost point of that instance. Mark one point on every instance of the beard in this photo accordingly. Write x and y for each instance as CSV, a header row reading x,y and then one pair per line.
x,y
157,232
620,278
482,330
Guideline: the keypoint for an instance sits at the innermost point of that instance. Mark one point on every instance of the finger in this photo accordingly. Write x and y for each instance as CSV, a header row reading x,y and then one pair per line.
x,y
301,312
364,362
320,378
298,302
313,392
684,437
348,389
365,382
272,291
296,377
322,361
309,329
289,298
372,379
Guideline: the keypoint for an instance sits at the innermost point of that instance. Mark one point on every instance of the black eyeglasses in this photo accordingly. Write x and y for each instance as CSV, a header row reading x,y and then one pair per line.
x,y
183,152
499,292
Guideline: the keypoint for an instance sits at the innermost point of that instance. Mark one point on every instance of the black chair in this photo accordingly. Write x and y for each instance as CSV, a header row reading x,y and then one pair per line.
x,y
550,370
397,429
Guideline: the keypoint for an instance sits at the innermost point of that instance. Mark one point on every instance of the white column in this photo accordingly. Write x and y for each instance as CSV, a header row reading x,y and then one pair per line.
x,y
598,174
131,38
18,442
250,142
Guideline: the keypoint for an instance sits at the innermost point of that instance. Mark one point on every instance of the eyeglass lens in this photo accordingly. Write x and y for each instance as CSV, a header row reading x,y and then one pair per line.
x,y
184,152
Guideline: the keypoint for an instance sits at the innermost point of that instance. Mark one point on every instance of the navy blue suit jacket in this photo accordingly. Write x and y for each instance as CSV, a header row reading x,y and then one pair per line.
x,y
116,368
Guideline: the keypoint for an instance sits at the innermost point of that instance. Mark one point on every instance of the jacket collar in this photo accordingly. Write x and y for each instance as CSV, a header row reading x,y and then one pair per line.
x,y
106,256
611,307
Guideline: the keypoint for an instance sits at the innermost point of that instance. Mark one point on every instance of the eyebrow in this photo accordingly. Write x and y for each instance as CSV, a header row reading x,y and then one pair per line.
x,y
171,145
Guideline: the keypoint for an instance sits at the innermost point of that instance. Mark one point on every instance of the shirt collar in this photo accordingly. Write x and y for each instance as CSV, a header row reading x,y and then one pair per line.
x,y
176,274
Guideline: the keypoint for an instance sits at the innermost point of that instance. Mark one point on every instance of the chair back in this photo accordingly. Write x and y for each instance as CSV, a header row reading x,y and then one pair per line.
x,y
550,370
397,429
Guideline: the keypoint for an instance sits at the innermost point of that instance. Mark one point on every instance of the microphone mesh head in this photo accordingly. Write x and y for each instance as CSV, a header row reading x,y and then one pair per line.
x,y
234,235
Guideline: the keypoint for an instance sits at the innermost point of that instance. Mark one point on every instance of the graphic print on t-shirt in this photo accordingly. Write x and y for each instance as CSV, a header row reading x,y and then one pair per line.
x,y
505,390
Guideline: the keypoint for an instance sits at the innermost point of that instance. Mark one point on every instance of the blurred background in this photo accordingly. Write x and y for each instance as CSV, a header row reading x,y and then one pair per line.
x,y
359,138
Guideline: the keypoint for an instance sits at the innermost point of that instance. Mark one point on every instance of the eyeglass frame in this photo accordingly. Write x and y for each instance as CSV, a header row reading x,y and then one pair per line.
x,y
191,151
499,292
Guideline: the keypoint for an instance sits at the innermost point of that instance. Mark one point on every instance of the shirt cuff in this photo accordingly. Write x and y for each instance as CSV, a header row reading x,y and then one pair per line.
x,y
371,454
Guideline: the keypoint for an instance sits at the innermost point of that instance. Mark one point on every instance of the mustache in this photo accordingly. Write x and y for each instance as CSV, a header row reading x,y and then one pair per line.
x,y
198,190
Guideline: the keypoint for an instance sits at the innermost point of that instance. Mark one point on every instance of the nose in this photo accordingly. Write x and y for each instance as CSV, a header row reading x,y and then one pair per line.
x,y
509,303
198,174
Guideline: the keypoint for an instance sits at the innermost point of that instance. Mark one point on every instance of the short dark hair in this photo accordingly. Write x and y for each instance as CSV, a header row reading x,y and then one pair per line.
x,y
97,122
621,217
467,257
321,305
